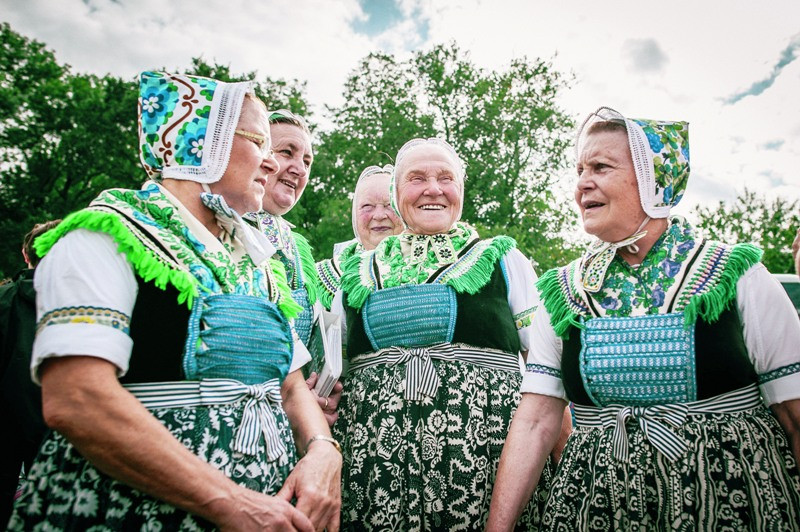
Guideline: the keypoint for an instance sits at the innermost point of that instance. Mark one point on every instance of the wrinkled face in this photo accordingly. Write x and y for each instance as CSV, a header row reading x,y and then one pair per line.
x,y
292,148
375,218
607,193
245,179
429,193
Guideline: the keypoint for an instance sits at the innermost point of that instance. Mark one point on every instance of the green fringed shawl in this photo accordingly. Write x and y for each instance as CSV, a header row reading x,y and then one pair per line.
x,y
311,280
468,274
709,290
159,268
144,262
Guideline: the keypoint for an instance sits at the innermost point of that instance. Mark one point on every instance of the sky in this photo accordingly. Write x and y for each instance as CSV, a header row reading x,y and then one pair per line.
x,y
731,68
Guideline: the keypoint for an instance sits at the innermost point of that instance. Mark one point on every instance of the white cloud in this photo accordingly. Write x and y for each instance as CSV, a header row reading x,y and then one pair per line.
x,y
704,51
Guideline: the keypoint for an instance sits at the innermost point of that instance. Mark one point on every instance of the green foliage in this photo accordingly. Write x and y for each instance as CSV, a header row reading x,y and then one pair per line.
x,y
504,124
752,218
64,137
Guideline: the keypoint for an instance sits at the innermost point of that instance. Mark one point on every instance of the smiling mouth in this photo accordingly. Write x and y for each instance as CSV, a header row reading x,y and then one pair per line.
x,y
431,207
589,205
380,229
289,184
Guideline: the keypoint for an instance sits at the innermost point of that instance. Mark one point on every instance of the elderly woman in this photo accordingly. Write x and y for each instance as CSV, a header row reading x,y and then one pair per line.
x,y
671,347
291,141
373,220
436,321
164,344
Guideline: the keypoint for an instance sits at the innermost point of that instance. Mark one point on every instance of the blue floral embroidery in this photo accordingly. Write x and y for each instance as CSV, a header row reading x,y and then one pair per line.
x,y
158,100
205,278
190,143
150,189
145,219
196,244
671,267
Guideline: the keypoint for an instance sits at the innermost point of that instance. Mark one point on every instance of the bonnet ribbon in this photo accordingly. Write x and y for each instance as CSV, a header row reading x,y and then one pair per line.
x,y
256,244
596,262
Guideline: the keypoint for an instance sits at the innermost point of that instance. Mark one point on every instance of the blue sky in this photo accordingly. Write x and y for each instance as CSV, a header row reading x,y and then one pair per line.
x,y
729,67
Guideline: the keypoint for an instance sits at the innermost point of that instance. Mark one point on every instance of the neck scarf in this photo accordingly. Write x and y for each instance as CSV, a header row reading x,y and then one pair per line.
x,y
597,260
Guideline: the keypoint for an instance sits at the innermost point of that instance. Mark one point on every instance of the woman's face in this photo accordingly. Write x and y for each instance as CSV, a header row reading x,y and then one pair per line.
x,y
245,179
607,192
292,148
430,193
375,218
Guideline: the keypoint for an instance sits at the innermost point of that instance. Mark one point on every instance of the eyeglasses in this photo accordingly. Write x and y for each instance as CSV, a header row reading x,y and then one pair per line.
x,y
261,141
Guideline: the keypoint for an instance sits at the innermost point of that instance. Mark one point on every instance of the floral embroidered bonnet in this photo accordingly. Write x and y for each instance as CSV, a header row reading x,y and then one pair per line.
x,y
660,153
186,125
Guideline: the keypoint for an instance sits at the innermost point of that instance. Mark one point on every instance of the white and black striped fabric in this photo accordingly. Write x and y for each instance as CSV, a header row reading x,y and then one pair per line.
x,y
421,377
257,419
658,422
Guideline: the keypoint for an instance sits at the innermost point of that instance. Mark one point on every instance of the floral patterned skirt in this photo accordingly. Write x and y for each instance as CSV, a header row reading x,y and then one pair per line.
x,y
65,492
430,464
738,474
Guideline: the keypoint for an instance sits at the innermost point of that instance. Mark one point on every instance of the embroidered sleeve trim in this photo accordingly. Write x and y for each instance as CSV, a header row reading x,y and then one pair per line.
x,y
543,370
91,315
525,318
778,373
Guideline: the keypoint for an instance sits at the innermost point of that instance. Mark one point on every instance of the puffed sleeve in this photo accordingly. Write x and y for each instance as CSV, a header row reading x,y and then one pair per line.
x,y
85,293
523,298
543,369
771,334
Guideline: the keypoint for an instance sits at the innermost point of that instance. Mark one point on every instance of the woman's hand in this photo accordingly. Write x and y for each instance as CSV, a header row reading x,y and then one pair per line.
x,y
255,511
327,404
315,483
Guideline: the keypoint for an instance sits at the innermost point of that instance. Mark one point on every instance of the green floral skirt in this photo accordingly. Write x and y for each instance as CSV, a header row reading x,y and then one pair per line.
x,y
739,474
430,464
65,492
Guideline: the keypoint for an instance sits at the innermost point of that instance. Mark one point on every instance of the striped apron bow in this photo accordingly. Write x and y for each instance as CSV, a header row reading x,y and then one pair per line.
x,y
257,419
421,377
653,420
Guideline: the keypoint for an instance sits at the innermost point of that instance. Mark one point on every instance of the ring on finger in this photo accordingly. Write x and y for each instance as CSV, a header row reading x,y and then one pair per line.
x,y
326,404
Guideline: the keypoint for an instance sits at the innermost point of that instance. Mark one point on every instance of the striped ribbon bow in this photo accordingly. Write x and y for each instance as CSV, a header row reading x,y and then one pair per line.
x,y
257,419
421,377
652,420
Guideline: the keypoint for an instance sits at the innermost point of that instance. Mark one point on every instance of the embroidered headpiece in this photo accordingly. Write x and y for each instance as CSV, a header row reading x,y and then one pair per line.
x,y
186,125
660,153
409,146
368,172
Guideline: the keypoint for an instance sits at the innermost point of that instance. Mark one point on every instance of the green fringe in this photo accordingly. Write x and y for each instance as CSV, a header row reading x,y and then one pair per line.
x,y
325,297
286,303
554,300
311,281
480,273
470,282
147,265
712,304
350,282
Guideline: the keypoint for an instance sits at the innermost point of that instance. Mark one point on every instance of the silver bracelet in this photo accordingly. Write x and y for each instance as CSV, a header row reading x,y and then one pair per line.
x,y
324,438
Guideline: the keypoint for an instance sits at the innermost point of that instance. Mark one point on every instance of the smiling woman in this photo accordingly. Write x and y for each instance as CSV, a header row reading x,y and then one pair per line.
x,y
437,319
164,341
679,355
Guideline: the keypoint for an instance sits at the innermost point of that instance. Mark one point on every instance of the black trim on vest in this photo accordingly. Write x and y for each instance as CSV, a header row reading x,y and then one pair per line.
x,y
159,325
721,359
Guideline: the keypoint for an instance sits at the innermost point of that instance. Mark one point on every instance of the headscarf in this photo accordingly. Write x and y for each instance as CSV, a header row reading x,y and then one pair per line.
x,y
368,172
186,128
660,153
186,125
409,146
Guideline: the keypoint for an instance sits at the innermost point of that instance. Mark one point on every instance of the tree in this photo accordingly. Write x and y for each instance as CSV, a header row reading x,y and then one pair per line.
x,y
65,137
504,124
752,218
